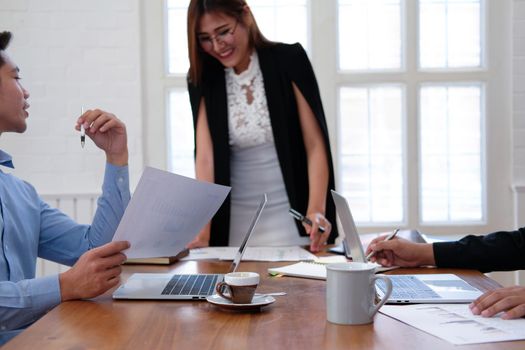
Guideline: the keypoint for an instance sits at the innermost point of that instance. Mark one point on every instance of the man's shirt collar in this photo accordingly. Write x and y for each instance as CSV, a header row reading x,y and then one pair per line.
x,y
6,159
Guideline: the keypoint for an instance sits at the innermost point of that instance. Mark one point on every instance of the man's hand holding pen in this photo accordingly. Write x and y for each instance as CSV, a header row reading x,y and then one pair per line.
x,y
400,252
107,132
387,238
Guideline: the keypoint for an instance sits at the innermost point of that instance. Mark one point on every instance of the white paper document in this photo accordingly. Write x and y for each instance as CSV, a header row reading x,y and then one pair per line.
x,y
456,323
292,253
209,253
166,212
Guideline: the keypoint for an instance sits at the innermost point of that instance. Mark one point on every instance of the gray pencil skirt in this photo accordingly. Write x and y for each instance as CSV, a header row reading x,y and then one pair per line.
x,y
254,171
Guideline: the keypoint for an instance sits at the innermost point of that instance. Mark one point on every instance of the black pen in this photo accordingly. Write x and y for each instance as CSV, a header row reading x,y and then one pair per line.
x,y
304,219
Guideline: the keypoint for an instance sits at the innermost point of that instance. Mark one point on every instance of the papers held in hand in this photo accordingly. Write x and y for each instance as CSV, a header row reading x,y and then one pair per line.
x,y
166,212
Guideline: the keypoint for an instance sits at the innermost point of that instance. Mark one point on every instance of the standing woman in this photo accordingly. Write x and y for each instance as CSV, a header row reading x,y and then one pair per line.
x,y
259,128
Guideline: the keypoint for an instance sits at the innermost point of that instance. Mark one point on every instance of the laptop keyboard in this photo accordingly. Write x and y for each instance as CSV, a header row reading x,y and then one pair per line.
x,y
191,285
407,288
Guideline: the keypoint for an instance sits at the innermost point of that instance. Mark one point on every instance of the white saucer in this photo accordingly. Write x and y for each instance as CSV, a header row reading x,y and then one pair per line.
x,y
258,302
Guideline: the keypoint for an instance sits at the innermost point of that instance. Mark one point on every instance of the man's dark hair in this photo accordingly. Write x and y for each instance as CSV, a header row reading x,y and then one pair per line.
x,y
5,38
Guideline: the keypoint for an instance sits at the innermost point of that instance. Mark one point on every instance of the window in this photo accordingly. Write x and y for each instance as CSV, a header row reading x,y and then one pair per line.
x,y
451,153
450,33
371,152
372,119
282,20
177,42
180,133
370,34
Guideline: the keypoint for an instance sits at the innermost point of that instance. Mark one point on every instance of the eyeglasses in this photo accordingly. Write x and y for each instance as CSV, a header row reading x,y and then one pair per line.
x,y
223,37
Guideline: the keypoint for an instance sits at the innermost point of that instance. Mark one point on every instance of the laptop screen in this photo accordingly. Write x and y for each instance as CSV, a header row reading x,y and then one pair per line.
x,y
242,248
352,242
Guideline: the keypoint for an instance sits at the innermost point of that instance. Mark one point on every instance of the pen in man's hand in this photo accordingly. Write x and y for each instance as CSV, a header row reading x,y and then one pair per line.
x,y
304,219
388,238
82,130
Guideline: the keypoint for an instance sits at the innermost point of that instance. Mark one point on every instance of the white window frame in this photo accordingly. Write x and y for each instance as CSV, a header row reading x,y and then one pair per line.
x,y
323,53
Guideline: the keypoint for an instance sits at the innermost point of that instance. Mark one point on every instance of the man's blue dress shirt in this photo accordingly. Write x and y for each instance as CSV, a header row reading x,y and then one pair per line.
x,y
32,229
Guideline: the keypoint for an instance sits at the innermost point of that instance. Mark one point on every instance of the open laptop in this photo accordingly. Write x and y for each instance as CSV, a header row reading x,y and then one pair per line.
x,y
425,288
170,286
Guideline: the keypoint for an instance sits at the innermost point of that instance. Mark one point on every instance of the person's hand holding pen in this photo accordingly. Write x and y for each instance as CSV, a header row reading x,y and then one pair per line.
x,y
107,132
317,226
82,130
399,252
387,238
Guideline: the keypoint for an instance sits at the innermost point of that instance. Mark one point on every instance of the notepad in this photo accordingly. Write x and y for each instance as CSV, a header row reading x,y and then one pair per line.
x,y
302,269
313,269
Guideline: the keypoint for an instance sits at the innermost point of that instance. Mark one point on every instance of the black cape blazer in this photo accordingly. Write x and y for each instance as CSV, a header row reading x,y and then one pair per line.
x,y
281,64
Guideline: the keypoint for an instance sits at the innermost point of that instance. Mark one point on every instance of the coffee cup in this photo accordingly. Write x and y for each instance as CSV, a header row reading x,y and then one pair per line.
x,y
350,293
240,286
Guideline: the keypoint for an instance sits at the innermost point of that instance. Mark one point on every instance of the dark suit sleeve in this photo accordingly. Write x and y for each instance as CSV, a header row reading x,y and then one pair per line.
x,y
498,251
195,94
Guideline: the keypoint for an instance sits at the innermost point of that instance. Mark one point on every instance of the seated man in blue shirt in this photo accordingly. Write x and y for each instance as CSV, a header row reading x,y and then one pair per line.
x,y
29,228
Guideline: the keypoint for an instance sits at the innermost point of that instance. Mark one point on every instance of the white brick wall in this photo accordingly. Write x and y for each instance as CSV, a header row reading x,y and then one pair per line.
x,y
73,53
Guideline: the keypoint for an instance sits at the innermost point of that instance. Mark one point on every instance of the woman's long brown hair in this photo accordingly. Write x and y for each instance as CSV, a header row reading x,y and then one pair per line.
x,y
230,8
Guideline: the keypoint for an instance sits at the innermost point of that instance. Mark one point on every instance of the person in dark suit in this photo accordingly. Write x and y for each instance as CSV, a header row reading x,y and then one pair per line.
x,y
498,251
259,128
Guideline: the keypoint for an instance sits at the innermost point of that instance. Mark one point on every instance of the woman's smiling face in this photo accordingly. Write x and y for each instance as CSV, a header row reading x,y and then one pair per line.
x,y
226,39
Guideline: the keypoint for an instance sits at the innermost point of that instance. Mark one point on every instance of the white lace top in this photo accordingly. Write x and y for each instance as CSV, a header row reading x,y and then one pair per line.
x,y
248,116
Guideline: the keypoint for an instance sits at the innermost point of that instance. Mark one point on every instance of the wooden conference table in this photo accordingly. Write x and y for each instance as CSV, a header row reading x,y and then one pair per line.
x,y
294,321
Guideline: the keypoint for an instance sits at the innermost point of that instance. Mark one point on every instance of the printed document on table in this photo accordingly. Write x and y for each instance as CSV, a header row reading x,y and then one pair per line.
x,y
207,253
455,323
292,253
166,212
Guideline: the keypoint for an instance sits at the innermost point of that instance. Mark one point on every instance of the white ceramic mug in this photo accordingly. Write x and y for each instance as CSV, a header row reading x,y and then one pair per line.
x,y
351,293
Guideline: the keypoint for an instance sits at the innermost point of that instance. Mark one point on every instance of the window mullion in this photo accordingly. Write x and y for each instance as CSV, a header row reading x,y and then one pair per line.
x,y
411,136
323,41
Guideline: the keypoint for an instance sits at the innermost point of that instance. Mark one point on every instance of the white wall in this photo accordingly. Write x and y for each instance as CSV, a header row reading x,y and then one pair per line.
x,y
518,84
73,53
519,109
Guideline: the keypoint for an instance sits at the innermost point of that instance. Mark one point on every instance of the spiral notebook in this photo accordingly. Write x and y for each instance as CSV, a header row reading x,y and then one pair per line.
x,y
312,269
305,269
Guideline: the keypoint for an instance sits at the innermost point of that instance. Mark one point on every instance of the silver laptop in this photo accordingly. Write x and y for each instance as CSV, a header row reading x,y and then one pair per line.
x,y
181,286
427,288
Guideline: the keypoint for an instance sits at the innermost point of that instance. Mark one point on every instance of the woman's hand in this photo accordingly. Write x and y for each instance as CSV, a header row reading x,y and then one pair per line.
x,y
317,238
